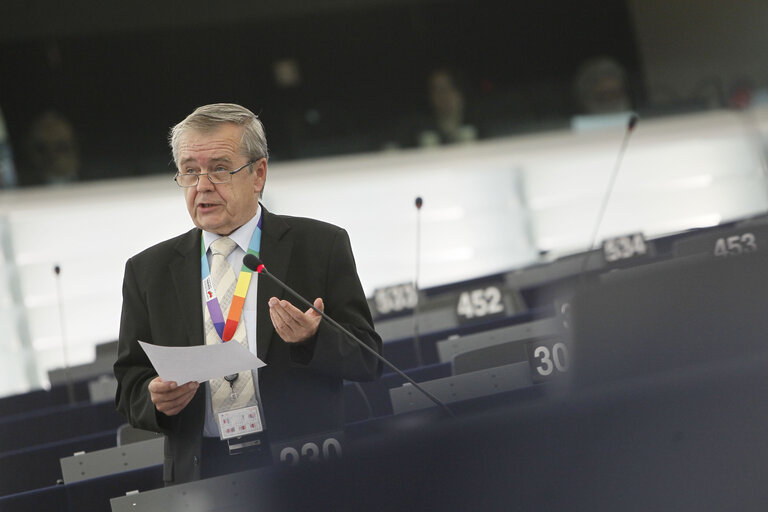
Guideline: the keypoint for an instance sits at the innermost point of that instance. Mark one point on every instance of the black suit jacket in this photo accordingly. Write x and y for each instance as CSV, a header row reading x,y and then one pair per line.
x,y
301,386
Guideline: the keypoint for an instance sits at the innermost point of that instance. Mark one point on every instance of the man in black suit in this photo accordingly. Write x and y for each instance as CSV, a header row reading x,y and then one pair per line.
x,y
221,155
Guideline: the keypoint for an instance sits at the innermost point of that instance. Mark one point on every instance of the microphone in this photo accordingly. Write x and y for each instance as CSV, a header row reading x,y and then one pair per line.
x,y
416,342
633,119
256,265
70,385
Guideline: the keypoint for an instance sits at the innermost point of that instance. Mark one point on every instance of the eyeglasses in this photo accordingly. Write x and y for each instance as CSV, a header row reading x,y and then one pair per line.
x,y
217,177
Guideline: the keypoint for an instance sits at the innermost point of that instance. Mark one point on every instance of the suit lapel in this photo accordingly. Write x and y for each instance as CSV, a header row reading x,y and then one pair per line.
x,y
275,252
185,272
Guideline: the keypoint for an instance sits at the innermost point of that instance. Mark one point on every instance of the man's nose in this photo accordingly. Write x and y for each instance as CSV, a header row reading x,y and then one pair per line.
x,y
203,183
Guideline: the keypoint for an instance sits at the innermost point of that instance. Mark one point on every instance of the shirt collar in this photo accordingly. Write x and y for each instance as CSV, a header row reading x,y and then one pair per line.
x,y
241,236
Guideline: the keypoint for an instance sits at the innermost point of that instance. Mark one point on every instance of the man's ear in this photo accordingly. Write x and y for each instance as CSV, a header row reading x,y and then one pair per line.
x,y
260,171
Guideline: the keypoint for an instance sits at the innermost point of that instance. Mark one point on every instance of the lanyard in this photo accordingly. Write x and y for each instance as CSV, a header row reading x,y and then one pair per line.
x,y
227,329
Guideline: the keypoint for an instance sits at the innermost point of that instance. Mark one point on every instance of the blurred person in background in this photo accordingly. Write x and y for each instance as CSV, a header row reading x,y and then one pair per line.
x,y
52,152
601,87
448,123
7,168
443,121
286,112
602,93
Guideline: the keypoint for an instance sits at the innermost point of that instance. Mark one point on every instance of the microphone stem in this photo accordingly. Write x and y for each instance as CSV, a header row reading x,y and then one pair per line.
x,y
607,197
416,340
378,356
64,349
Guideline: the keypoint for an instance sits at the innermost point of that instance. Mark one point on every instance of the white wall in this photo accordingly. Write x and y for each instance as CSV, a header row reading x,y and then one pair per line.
x,y
488,207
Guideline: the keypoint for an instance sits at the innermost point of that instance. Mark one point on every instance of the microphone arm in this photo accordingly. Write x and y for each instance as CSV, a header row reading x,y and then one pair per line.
x,y
256,265
64,349
416,344
612,180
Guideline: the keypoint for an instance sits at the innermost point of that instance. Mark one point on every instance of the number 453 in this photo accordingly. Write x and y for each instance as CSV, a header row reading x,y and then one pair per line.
x,y
736,244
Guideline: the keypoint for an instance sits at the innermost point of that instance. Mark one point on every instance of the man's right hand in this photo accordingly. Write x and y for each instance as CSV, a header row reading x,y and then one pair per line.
x,y
168,397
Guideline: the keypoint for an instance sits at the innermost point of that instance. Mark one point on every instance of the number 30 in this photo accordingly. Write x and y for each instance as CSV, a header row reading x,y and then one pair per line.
x,y
556,359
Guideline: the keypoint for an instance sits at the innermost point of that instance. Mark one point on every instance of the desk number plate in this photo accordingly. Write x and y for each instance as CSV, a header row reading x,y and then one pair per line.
x,y
308,450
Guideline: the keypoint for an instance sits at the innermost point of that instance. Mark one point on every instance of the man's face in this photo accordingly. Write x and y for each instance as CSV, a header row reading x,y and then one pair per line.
x,y
220,208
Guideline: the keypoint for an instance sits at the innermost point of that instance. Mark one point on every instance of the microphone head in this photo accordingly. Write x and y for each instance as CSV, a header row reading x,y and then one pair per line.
x,y
419,202
57,269
254,263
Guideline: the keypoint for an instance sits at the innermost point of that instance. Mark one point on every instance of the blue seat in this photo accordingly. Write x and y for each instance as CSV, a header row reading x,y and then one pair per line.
x,y
93,495
33,468
57,423
47,499
41,399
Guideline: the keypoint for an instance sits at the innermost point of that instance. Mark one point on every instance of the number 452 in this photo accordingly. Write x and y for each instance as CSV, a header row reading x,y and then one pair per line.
x,y
480,303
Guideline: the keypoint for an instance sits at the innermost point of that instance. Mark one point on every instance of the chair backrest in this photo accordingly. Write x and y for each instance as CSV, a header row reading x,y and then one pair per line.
x,y
448,349
457,388
489,357
111,461
126,434
429,321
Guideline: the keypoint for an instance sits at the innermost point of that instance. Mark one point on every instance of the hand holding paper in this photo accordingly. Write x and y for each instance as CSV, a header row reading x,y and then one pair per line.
x,y
200,363
169,398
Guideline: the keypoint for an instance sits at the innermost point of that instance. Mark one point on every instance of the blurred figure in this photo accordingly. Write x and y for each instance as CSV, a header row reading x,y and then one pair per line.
x,y
602,88
7,169
286,113
443,121
287,73
446,101
602,93
53,155
744,94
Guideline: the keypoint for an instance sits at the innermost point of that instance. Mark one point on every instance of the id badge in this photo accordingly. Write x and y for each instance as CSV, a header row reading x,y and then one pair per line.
x,y
240,422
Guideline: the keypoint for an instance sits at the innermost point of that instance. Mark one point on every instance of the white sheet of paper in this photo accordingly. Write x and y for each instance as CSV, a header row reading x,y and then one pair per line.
x,y
200,363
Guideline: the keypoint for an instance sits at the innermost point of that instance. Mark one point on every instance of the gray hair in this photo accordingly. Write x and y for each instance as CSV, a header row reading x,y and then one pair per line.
x,y
209,117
